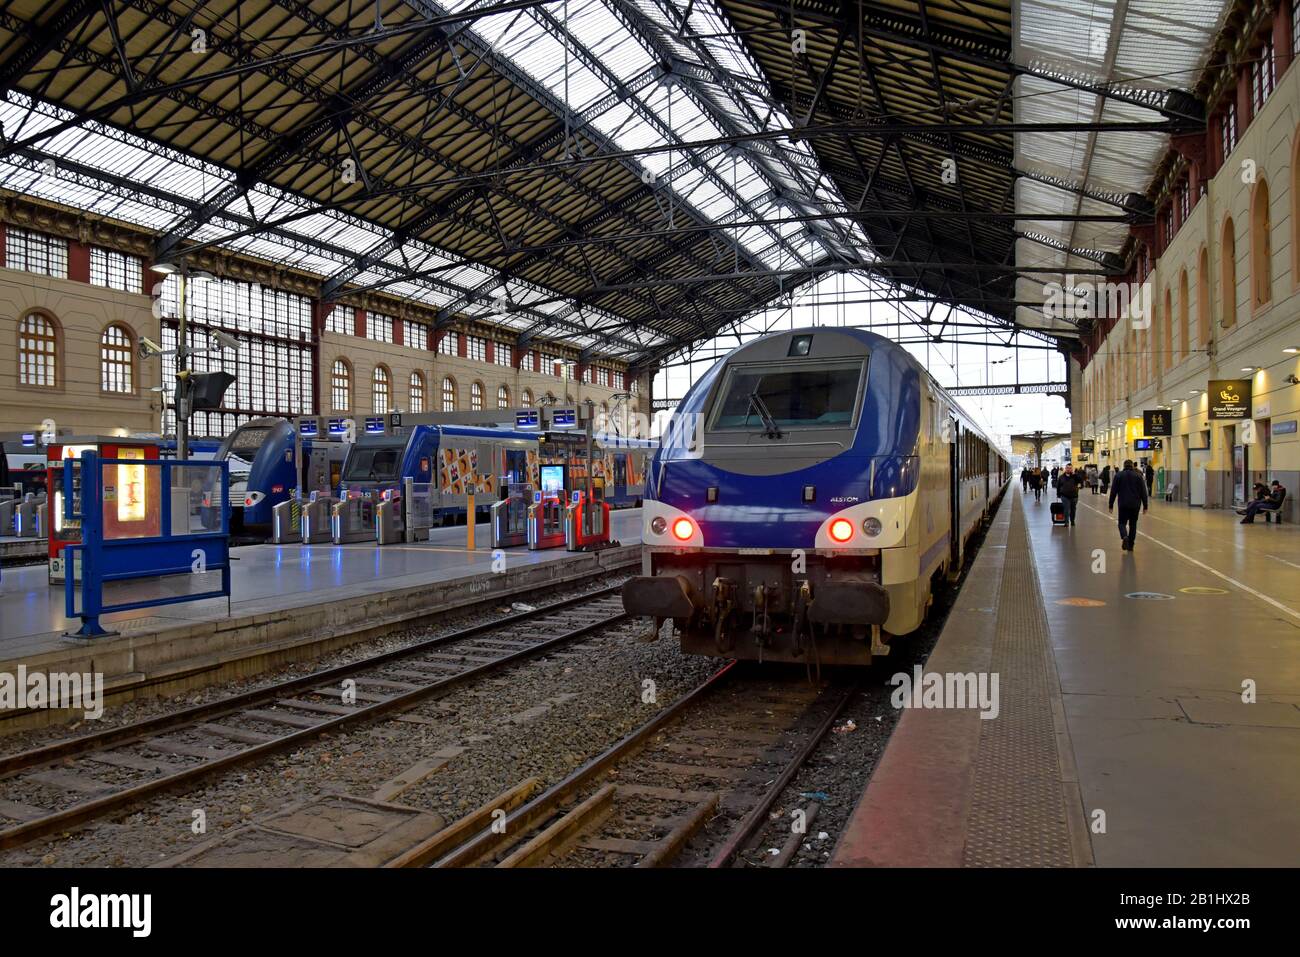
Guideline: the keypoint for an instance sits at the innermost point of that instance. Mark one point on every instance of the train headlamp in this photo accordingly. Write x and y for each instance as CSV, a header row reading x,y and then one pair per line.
x,y
658,525
841,530
871,525
683,529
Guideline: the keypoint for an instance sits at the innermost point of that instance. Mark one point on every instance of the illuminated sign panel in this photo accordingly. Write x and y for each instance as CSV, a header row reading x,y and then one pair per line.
x,y
1157,422
1229,399
527,419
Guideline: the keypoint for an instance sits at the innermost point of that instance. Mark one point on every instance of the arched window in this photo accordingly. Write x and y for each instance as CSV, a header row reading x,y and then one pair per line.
x,y
1166,356
417,392
117,360
1228,276
503,397
1261,248
1184,317
527,398
1295,200
448,394
1203,298
476,396
38,351
381,391
341,386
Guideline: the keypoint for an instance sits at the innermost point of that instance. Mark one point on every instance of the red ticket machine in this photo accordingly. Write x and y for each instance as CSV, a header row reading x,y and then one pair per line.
x,y
132,505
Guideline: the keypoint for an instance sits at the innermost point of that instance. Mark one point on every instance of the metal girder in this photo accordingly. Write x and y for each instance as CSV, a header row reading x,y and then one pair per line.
x,y
180,205
978,49
43,39
1017,388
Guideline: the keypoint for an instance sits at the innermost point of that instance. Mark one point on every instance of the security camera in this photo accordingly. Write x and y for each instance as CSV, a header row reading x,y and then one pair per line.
x,y
226,341
149,348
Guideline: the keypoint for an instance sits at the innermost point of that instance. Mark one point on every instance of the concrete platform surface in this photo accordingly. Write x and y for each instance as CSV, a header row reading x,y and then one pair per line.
x,y
273,578
1174,688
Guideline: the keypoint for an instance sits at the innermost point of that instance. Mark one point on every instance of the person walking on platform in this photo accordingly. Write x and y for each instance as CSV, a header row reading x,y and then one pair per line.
x,y
1036,483
1067,490
1105,479
1024,479
1150,474
1130,488
1055,474
1090,473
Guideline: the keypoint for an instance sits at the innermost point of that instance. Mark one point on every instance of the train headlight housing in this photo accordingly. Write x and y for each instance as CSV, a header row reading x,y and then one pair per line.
x,y
841,530
658,525
683,529
871,525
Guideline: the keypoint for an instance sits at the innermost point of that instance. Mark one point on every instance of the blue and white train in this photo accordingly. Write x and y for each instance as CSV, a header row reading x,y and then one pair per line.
x,y
829,484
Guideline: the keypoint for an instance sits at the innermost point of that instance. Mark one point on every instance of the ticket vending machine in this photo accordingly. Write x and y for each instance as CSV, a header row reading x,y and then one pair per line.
x,y
132,508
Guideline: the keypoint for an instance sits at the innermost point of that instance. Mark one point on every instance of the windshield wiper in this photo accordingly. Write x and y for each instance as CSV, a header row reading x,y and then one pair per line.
x,y
770,428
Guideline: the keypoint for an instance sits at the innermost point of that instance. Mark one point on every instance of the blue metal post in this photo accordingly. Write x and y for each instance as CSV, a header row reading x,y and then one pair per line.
x,y
92,543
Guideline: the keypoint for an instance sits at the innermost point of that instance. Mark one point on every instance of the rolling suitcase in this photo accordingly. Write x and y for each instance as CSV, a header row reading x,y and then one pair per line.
x,y
1058,513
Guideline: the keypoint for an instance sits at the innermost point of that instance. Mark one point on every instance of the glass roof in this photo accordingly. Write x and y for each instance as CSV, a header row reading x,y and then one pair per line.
x,y
1142,45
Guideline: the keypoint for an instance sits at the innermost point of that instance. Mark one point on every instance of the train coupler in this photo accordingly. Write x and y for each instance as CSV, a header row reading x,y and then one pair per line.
x,y
724,603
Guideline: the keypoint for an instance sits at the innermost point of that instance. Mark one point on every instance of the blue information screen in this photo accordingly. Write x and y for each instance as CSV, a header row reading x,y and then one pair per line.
x,y
308,427
527,419
564,418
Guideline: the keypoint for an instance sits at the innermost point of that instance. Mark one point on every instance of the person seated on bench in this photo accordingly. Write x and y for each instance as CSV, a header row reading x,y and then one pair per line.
x,y
1271,504
1260,494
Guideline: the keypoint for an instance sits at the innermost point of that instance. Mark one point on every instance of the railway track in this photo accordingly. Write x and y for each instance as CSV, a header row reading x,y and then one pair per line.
x,y
717,759
76,780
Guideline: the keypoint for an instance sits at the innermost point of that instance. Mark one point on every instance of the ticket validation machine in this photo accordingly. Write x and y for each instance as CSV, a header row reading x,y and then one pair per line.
x,y
546,514
510,516
131,508
586,524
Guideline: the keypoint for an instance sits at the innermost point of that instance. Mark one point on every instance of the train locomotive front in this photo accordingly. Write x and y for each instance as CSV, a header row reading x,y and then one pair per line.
x,y
793,524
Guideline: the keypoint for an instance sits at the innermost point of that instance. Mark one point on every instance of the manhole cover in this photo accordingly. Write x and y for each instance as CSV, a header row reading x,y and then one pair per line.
x,y
1081,602
1203,590
1149,596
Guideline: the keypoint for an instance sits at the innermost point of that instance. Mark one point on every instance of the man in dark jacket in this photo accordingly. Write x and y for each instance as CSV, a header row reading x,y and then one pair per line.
x,y
1067,489
1105,479
1150,474
1270,501
1130,489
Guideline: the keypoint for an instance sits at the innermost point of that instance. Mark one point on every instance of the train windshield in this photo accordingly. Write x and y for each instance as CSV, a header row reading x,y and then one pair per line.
x,y
806,395
374,463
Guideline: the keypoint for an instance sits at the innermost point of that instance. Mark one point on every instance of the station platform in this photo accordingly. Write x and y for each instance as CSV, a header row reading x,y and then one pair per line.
x,y
15,549
288,602
1122,738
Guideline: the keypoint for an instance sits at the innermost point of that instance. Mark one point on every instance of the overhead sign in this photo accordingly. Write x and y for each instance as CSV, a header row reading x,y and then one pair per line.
x,y
308,428
374,425
527,419
1157,422
1086,446
1230,399
565,418
1285,427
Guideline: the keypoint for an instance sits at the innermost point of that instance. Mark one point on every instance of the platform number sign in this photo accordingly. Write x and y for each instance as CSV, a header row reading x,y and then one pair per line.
x,y
1157,422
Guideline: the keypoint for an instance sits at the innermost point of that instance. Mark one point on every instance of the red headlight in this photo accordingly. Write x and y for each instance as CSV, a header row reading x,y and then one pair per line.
x,y
683,529
841,530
